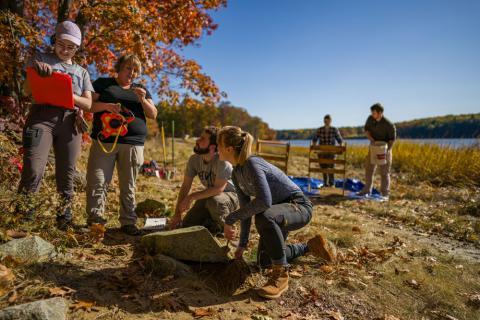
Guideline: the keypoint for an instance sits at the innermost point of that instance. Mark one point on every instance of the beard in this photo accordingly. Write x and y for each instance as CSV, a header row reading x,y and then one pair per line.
x,y
201,151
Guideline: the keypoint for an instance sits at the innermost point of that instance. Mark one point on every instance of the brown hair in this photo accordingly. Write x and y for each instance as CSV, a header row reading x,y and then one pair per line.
x,y
212,131
241,142
377,107
130,59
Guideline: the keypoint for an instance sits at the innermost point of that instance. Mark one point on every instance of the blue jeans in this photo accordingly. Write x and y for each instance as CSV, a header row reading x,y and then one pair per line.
x,y
274,224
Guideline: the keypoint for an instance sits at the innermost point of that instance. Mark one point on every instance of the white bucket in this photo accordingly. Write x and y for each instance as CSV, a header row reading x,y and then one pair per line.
x,y
378,153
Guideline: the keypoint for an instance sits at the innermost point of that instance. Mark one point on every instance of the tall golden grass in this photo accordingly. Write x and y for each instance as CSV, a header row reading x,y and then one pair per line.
x,y
438,165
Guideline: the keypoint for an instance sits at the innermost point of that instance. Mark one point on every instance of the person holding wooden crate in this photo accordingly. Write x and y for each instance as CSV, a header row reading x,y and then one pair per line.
x,y
327,135
382,133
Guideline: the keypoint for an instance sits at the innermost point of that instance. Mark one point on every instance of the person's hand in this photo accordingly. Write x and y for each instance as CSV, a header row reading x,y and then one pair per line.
x,y
175,221
239,252
112,107
229,231
42,68
80,124
140,93
185,204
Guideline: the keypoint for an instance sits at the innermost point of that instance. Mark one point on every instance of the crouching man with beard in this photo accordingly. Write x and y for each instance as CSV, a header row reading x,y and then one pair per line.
x,y
218,199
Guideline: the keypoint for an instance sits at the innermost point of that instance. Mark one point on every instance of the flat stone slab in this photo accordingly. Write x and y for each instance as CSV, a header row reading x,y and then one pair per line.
x,y
28,250
190,244
49,309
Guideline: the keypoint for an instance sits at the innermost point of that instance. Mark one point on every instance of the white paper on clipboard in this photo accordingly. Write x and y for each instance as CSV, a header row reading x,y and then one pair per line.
x,y
155,224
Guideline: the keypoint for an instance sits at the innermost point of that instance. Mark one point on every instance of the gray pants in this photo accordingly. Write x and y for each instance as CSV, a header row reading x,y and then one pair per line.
x,y
47,126
128,159
328,179
384,173
211,212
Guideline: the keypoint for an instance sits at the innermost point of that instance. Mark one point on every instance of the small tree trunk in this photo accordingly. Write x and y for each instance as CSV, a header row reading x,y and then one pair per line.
x,y
63,10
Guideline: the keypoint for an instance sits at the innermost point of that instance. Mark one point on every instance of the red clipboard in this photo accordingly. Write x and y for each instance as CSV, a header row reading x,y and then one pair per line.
x,y
55,90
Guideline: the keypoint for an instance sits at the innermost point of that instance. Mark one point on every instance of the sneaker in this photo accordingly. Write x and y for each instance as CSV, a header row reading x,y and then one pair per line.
x,y
277,283
322,248
363,193
131,230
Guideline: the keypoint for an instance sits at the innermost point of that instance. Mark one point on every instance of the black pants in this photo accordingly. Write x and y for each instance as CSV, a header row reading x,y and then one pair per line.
x,y
274,225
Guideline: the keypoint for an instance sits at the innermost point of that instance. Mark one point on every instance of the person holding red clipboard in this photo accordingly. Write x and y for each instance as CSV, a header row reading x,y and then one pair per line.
x,y
61,90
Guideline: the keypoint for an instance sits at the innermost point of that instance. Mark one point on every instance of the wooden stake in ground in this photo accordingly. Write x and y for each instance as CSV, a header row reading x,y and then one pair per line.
x,y
164,148
173,145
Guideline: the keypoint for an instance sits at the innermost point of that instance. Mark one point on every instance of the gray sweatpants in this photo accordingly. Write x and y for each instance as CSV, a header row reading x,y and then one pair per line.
x,y
47,126
128,159
211,212
384,174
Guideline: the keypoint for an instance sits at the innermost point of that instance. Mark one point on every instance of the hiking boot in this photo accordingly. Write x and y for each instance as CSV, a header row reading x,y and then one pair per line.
x,y
64,222
131,230
322,248
277,283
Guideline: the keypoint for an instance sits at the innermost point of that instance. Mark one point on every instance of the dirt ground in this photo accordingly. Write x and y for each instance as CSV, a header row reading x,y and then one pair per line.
x,y
389,266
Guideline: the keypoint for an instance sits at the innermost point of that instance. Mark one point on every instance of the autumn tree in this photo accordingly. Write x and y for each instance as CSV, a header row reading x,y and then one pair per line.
x,y
154,30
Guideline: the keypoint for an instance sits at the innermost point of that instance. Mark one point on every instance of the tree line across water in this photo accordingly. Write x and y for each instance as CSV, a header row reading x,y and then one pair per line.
x,y
442,127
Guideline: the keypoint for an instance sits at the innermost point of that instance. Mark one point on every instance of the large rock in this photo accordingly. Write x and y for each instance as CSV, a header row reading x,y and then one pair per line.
x,y
191,244
50,309
163,266
28,250
151,208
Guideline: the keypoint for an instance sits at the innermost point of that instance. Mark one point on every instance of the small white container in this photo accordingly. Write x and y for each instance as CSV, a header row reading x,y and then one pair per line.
x,y
378,153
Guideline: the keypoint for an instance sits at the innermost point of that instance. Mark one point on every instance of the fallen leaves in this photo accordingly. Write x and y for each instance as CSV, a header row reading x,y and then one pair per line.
x,y
97,232
413,284
203,312
335,315
83,305
6,279
13,234
325,268
60,291
295,274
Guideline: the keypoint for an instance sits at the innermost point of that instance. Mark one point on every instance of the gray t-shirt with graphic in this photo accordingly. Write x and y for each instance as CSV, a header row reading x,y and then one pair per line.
x,y
208,172
80,77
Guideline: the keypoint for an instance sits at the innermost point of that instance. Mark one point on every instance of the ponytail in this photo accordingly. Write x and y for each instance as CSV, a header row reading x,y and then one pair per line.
x,y
241,141
246,150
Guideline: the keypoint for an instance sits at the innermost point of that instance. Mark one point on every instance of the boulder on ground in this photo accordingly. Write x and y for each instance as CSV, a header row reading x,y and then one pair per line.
x,y
151,208
49,309
28,250
191,244
163,266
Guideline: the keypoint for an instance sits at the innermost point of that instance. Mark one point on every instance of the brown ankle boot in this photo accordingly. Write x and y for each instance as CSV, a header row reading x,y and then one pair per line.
x,y
321,247
276,284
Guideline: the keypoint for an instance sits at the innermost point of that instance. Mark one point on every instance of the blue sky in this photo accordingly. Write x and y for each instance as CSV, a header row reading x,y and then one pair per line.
x,y
291,62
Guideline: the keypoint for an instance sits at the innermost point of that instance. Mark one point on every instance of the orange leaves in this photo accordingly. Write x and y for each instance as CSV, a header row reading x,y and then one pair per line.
x,y
97,232
6,279
60,291
203,312
82,305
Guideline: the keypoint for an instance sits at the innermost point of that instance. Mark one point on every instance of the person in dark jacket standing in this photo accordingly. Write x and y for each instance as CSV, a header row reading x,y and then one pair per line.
x,y
379,129
278,205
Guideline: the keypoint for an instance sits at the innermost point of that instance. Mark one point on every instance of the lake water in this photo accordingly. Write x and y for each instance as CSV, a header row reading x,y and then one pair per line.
x,y
455,143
